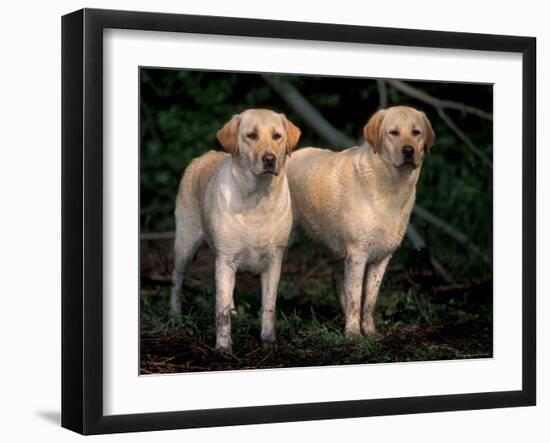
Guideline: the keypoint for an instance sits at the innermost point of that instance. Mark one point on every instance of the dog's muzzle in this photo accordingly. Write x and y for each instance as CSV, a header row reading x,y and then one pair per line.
x,y
270,163
408,153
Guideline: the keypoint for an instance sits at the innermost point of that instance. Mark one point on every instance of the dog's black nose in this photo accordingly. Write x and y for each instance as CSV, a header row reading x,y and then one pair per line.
x,y
408,151
268,159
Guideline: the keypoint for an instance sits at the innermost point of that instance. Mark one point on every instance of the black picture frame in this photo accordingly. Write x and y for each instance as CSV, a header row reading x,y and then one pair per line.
x,y
82,219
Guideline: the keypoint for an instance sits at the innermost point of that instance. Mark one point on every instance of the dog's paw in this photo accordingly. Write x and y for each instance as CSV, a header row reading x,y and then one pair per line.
x,y
268,341
269,345
353,333
224,345
369,330
224,350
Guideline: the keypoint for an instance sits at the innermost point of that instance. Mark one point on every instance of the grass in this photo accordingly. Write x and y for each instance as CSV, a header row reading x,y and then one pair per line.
x,y
418,319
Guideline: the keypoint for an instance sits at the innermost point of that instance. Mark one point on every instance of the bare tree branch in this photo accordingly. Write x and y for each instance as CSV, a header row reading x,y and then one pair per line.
x,y
308,112
415,238
418,242
451,231
157,235
464,137
382,93
437,102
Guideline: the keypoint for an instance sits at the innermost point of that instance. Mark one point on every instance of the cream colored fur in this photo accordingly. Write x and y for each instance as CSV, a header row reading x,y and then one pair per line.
x,y
241,207
357,203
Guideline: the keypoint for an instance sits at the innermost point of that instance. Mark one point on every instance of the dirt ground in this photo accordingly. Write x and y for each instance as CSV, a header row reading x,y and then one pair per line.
x,y
420,317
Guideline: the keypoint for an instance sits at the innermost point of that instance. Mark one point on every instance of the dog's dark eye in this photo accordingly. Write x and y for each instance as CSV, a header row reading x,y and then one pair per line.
x,y
394,132
252,136
415,132
276,136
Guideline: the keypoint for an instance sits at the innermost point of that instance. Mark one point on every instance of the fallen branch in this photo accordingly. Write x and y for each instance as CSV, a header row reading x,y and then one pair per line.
x,y
471,145
414,236
157,280
450,230
382,93
308,112
437,102
157,235
418,242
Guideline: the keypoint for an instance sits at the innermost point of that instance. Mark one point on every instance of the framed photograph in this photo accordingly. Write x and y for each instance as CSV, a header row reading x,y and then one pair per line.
x,y
269,221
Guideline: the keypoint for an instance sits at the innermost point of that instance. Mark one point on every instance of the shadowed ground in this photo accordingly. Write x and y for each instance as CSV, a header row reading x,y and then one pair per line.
x,y
420,316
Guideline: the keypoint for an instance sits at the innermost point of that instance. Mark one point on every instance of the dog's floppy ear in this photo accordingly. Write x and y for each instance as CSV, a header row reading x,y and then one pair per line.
x,y
292,134
430,134
228,136
372,131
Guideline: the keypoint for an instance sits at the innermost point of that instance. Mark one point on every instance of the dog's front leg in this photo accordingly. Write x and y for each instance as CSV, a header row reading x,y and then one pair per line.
x,y
225,284
338,282
270,283
354,269
373,279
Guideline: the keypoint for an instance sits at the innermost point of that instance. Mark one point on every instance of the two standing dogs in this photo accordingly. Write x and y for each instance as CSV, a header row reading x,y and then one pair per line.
x,y
244,204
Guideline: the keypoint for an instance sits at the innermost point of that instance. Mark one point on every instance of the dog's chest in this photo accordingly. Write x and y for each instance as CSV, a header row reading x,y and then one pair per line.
x,y
379,230
254,259
382,240
250,240
258,243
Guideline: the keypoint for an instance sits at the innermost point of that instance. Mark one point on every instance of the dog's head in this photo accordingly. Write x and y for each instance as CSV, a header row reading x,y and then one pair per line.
x,y
260,139
401,136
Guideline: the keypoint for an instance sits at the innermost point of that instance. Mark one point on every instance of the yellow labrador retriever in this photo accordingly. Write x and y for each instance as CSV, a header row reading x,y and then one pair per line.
x,y
358,202
239,203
